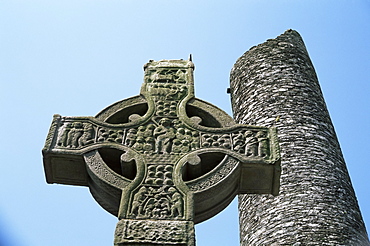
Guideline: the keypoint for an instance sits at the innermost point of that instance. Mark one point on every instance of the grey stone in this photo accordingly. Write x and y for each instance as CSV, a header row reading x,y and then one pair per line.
x,y
164,160
274,84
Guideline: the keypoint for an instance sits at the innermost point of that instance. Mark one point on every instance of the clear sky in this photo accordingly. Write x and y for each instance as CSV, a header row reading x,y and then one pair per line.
x,y
75,57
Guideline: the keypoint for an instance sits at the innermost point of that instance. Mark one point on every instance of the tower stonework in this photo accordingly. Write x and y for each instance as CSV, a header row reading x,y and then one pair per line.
x,y
275,84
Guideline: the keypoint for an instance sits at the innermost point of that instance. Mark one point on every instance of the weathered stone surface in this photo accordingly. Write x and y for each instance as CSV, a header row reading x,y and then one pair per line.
x,y
161,232
274,84
163,160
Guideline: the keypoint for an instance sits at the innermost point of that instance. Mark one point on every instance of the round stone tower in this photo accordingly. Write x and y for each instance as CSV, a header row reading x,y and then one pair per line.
x,y
275,84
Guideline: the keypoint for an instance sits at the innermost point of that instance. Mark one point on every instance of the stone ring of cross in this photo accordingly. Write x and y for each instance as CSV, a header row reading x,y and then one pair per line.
x,y
163,160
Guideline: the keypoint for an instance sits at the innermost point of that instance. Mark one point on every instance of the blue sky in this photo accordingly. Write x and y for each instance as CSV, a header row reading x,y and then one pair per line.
x,y
75,58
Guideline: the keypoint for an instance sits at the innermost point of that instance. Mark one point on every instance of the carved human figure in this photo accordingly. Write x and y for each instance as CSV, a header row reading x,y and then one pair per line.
x,y
74,134
263,148
239,142
148,211
138,202
72,131
176,203
164,205
63,135
87,136
251,143
154,76
158,206
149,130
163,134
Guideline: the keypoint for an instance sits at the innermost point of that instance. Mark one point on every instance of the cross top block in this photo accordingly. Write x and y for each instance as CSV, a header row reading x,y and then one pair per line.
x,y
162,160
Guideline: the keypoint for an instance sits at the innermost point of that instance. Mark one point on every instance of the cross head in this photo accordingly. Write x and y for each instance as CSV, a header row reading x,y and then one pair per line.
x,y
164,160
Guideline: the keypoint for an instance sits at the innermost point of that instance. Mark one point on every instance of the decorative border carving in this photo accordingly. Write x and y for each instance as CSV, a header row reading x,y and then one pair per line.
x,y
156,232
97,166
223,169
51,134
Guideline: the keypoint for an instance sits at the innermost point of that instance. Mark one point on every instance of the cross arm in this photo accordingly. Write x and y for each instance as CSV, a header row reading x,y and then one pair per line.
x,y
69,138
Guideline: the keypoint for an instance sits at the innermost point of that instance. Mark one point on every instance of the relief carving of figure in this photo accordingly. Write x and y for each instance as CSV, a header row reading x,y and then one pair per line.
x,y
138,202
164,206
263,145
163,134
149,130
74,135
239,142
177,203
250,144
165,202
87,136
63,135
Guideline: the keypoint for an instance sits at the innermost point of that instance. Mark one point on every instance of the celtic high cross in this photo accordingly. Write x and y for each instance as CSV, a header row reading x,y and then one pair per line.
x,y
163,160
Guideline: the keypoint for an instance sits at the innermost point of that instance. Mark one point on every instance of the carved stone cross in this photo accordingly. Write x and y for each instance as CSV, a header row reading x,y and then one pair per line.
x,y
163,160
